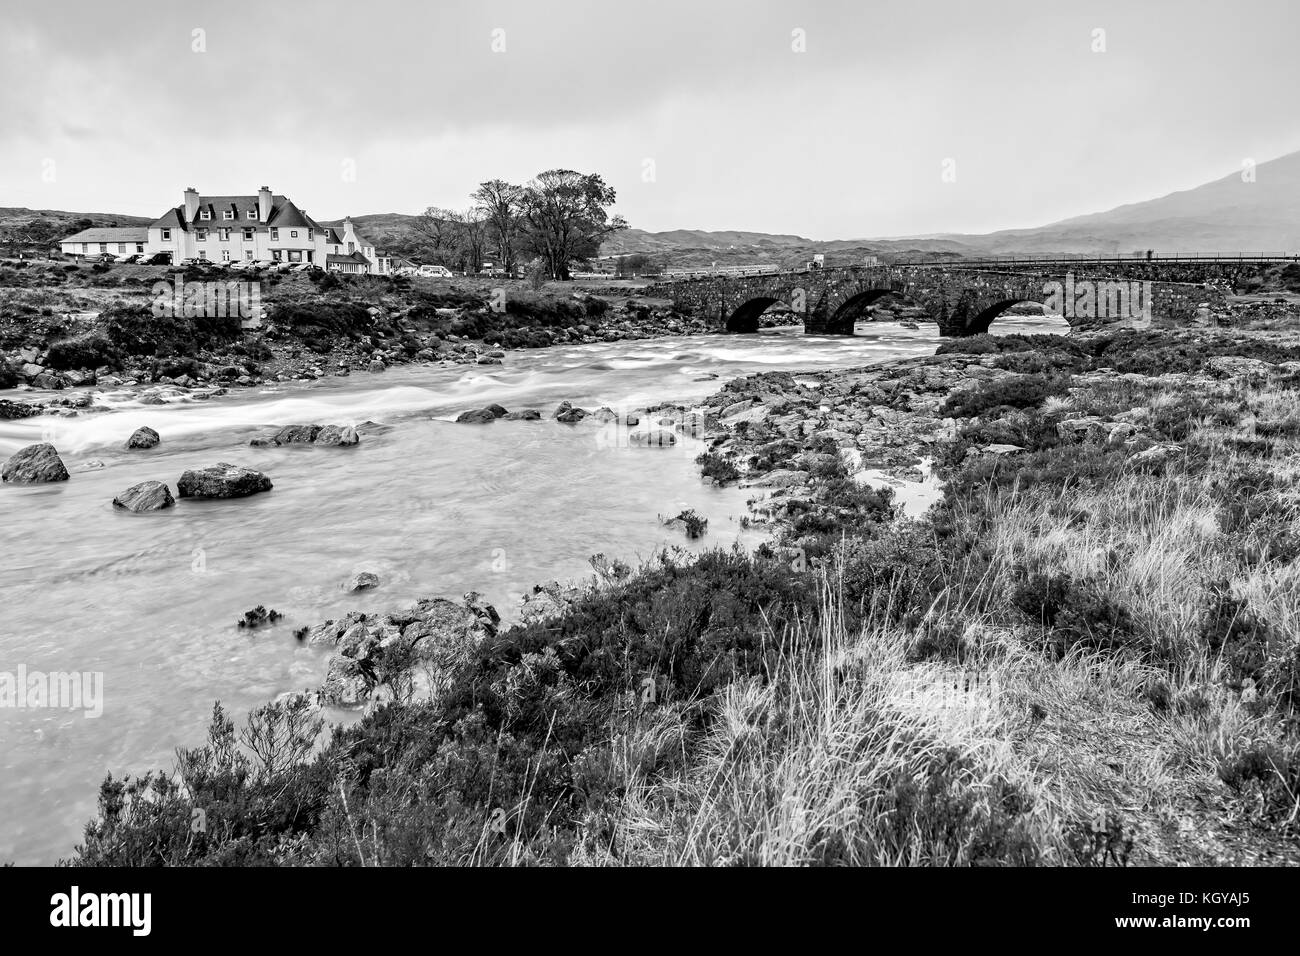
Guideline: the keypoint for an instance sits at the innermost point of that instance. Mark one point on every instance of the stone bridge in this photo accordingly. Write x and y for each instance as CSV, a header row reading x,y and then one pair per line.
x,y
960,300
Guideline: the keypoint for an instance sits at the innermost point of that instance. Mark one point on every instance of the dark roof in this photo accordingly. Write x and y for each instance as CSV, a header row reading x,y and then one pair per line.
x,y
350,257
283,214
113,234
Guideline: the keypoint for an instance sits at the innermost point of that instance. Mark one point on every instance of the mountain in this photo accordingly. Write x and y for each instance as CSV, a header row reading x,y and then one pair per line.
x,y
1226,215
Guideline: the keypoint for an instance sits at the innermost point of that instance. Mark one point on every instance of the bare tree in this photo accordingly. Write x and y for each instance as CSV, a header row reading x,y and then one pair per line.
x,y
502,204
469,232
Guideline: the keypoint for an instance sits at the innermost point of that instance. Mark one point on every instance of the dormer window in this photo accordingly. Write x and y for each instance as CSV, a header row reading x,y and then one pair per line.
x,y
252,214
205,214
228,214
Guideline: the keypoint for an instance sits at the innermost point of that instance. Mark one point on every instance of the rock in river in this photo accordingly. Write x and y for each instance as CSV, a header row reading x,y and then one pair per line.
x,y
35,463
337,435
478,416
143,437
363,581
222,481
146,496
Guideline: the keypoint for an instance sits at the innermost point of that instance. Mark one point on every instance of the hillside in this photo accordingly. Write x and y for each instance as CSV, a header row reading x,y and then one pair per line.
x,y
1226,215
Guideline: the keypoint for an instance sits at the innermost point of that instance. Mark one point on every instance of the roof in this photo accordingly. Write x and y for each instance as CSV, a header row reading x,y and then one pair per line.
x,y
107,234
350,257
283,214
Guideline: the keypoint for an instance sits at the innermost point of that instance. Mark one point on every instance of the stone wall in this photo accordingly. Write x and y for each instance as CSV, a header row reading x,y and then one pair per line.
x,y
962,301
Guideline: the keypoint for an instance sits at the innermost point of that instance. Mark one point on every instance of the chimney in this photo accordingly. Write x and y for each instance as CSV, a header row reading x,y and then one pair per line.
x,y
264,203
191,203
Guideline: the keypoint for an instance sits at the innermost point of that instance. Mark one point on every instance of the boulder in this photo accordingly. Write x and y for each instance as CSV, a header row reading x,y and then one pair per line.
x,y
478,416
571,415
143,437
222,481
291,434
524,414
146,496
363,581
35,463
657,437
337,435
498,410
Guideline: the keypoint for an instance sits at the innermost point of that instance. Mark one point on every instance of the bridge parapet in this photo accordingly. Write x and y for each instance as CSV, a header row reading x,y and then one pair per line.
x,y
960,300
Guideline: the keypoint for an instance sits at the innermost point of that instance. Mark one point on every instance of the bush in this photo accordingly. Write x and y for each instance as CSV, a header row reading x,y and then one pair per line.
x,y
1073,612
717,467
1011,392
85,351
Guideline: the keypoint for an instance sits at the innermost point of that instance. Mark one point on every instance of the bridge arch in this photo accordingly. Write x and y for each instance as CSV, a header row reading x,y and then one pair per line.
x,y
855,307
979,323
745,317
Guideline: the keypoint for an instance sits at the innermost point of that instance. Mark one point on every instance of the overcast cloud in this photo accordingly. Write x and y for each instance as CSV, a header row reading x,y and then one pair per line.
x,y
701,114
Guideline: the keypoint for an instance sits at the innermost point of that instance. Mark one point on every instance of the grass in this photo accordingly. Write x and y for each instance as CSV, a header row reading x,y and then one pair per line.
x,y
1076,659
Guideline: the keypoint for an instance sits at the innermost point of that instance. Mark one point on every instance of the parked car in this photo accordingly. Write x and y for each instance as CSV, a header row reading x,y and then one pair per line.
x,y
130,260
157,259
441,272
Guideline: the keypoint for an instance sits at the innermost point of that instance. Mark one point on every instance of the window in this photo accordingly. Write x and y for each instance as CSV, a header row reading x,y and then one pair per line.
x,y
252,214
225,255
293,233
121,247
227,214
103,247
85,247
295,255
275,235
351,248
248,235
309,238
248,254
201,235
225,234
167,235
205,214
203,255
139,247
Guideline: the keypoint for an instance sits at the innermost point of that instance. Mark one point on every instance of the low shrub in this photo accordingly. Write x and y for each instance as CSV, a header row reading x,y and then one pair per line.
x,y
998,395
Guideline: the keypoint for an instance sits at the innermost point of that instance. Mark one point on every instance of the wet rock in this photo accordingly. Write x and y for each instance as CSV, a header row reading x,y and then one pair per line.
x,y
296,434
571,415
222,480
524,414
34,464
146,496
499,411
478,416
657,437
143,437
337,435
13,410
363,581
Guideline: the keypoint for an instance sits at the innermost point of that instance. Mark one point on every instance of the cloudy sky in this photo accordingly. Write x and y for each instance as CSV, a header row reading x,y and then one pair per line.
x,y
825,118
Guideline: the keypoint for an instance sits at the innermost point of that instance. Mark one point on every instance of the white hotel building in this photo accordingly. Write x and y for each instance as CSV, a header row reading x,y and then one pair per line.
x,y
258,228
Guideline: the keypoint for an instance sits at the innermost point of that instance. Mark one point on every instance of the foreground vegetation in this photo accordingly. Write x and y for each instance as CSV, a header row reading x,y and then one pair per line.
x,y
1086,654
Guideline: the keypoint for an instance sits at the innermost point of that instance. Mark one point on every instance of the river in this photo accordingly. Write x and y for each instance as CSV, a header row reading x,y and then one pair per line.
x,y
150,602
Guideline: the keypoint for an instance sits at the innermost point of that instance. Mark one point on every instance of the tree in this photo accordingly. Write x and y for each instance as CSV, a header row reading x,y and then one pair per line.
x,y
469,234
502,205
566,215
434,224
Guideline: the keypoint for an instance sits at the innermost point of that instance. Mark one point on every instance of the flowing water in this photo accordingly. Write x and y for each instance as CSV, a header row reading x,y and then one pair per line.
x,y
150,602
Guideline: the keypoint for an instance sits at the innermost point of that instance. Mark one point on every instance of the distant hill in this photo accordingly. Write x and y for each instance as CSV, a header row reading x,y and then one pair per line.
x,y
18,216
1226,215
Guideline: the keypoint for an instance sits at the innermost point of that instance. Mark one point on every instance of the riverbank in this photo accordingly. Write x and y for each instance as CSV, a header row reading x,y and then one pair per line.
x,y
1084,654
